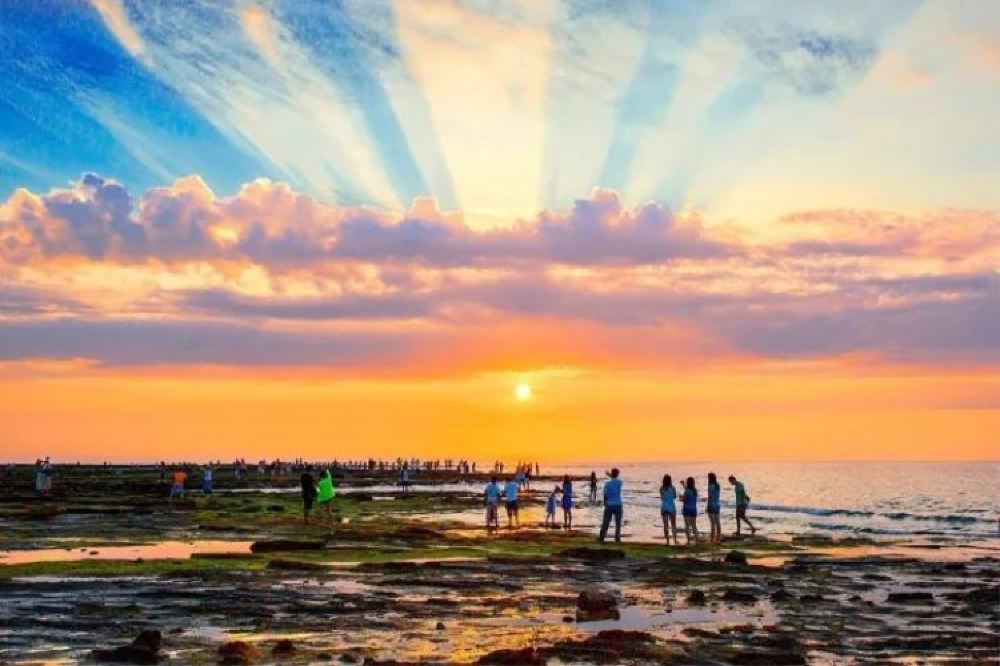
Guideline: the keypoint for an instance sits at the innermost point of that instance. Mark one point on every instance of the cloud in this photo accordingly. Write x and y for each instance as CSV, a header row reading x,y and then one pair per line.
x,y
953,234
116,19
191,342
270,276
269,223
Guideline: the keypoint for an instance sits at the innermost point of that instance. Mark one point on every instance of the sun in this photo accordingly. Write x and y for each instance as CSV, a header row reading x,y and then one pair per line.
x,y
523,392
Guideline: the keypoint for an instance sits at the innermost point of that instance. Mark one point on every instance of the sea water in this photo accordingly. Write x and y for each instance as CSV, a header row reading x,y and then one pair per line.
x,y
875,499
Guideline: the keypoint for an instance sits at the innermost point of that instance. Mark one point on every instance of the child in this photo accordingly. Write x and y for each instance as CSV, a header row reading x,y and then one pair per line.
x,y
550,508
492,495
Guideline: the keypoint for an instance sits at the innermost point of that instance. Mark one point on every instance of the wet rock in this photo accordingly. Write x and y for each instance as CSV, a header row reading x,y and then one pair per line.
x,y
876,577
276,508
596,604
281,545
44,512
595,599
592,554
739,597
144,649
439,626
607,647
696,598
419,532
284,647
296,565
980,599
236,653
736,557
528,656
812,598
767,658
910,598
695,632
568,619
782,595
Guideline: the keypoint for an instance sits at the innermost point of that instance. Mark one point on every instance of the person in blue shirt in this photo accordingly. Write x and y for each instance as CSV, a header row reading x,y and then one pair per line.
x,y
510,497
567,502
492,498
690,511
612,506
550,508
713,509
668,508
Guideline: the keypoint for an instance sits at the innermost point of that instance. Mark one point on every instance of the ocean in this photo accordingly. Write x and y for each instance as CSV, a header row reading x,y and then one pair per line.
x,y
932,501
958,500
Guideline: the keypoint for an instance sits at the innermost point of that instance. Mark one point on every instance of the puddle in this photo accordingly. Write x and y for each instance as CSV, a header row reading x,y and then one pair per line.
x,y
163,550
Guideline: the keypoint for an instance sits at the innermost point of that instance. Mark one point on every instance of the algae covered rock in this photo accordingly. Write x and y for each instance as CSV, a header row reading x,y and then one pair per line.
x,y
144,649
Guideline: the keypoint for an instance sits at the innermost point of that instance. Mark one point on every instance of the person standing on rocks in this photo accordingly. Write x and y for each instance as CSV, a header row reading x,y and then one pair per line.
x,y
510,492
567,502
404,478
550,507
325,493
713,509
690,511
742,504
308,495
492,495
206,480
612,506
593,486
668,508
177,489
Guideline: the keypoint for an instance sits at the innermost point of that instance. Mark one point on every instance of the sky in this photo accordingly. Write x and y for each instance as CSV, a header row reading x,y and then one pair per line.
x,y
696,230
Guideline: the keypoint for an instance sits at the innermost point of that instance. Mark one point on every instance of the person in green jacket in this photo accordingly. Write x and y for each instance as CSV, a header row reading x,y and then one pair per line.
x,y
325,493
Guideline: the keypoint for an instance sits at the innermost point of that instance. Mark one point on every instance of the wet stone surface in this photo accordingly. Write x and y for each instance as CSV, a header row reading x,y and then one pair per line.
x,y
386,583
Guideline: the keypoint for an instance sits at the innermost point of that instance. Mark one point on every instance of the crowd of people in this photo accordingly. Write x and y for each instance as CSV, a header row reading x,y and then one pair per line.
x,y
320,491
562,497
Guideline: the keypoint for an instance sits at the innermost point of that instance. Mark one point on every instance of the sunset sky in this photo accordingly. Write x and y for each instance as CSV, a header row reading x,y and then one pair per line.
x,y
696,230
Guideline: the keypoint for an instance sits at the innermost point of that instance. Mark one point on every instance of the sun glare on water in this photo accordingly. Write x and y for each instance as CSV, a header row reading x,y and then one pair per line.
x,y
523,392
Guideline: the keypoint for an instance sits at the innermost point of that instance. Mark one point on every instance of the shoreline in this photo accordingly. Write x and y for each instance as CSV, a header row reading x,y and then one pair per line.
x,y
400,582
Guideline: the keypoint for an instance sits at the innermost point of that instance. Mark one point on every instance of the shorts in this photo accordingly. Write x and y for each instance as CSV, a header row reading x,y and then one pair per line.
x,y
307,502
511,506
177,490
712,510
690,513
741,510
668,512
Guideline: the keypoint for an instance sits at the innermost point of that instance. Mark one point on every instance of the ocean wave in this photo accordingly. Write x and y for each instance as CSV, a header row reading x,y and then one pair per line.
x,y
898,515
812,511
887,531
947,518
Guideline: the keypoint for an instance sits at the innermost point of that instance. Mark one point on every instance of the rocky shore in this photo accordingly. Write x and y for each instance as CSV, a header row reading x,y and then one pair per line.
x,y
393,580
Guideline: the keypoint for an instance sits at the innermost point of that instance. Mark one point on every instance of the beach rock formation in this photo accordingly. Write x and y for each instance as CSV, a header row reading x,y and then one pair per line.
x,y
144,649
